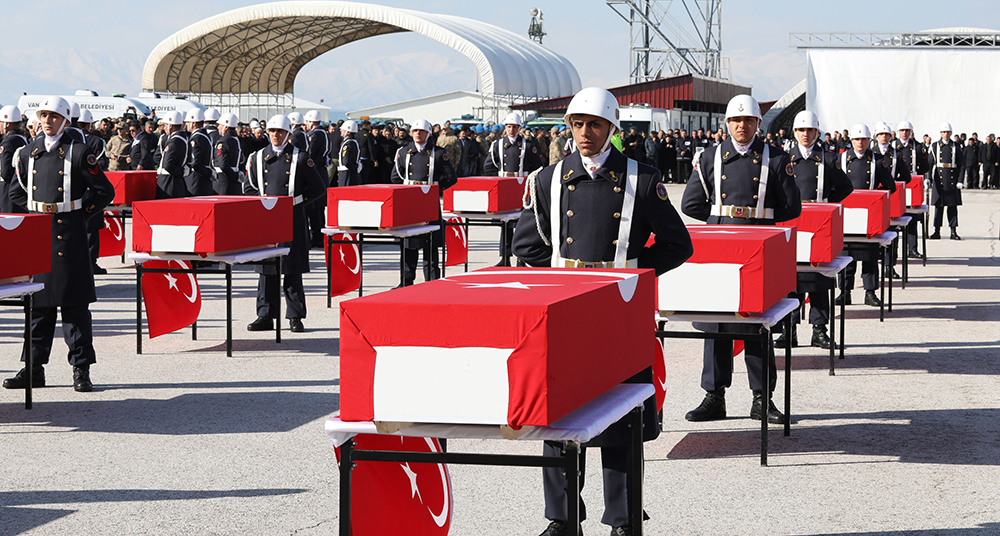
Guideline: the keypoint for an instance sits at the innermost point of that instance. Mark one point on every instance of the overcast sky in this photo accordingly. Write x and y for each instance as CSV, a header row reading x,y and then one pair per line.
x,y
103,44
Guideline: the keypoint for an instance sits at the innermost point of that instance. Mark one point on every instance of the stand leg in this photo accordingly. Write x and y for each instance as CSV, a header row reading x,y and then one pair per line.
x,y
277,292
764,335
328,246
906,257
923,235
346,466
637,468
138,308
28,361
788,380
229,310
402,263
881,308
843,316
194,330
466,223
361,265
572,454
833,323
890,278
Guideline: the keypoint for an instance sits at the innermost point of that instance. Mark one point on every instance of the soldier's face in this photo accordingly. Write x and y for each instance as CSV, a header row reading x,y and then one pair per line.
x,y
860,144
420,136
883,138
51,122
945,135
512,130
806,136
590,132
278,136
905,133
743,128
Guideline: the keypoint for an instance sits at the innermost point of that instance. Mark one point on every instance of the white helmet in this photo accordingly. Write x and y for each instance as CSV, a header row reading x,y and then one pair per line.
x,y
212,115
594,101
280,122
421,124
945,127
295,118
195,115
805,119
904,125
254,125
74,111
55,104
312,116
860,130
743,106
512,118
10,114
85,116
350,126
882,128
229,120
173,117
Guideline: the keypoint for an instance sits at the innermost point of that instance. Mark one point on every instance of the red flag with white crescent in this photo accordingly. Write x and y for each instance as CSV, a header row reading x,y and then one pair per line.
x,y
660,373
456,243
399,497
345,267
112,236
173,301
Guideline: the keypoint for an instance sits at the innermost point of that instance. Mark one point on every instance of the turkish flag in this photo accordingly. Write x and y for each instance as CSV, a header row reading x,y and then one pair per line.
x,y
112,235
456,243
660,373
172,300
345,268
396,498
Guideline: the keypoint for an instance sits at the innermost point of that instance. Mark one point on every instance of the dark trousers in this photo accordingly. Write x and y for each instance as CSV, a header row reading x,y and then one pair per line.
x,y
267,297
683,171
992,179
971,178
432,266
911,230
617,478
77,329
717,369
952,215
366,169
507,238
94,226
317,220
869,275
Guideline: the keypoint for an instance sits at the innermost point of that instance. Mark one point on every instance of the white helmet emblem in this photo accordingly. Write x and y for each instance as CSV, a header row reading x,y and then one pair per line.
x,y
741,107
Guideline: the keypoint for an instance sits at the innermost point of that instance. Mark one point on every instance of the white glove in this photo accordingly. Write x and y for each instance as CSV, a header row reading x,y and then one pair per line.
x,y
927,184
961,186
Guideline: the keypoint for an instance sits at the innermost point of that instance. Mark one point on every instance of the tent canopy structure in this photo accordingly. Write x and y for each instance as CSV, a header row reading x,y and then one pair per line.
x,y
260,49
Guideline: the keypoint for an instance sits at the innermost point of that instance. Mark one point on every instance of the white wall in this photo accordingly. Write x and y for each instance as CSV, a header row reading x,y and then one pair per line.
x,y
436,109
925,87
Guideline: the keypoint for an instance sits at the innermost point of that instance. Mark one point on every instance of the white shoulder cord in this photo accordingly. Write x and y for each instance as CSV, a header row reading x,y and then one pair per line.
x,y
17,166
555,214
820,178
625,223
529,200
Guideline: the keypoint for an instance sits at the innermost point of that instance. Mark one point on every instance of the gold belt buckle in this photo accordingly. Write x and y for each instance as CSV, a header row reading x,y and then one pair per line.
x,y
738,212
49,208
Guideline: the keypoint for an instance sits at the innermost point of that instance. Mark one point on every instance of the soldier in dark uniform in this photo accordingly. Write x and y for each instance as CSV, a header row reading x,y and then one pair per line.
x,y
886,150
172,153
13,139
511,156
318,146
419,162
304,185
228,155
58,175
212,117
945,161
200,173
144,147
866,171
819,179
349,170
336,140
590,190
367,152
725,188
298,138
913,156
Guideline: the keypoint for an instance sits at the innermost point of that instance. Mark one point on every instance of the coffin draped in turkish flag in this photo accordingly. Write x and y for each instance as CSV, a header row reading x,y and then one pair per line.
x,y
345,269
112,236
399,498
456,243
172,300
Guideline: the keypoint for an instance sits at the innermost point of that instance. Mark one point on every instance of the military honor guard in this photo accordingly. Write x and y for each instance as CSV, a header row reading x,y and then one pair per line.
x,y
945,161
200,175
597,208
819,178
419,162
227,157
57,174
867,170
212,117
284,169
742,181
913,156
298,138
512,155
318,146
349,168
172,155
13,139
886,150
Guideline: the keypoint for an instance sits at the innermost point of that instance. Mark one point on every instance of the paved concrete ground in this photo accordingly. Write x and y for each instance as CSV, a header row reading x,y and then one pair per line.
x,y
904,440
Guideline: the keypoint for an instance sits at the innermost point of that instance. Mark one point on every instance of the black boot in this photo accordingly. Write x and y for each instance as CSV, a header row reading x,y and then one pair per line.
x,y
954,234
914,254
936,235
557,528
782,340
20,380
81,379
820,339
872,299
773,415
846,295
261,324
712,408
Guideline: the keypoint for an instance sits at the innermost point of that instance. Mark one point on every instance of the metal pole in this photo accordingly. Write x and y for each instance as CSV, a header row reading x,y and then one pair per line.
x,y
138,308
29,301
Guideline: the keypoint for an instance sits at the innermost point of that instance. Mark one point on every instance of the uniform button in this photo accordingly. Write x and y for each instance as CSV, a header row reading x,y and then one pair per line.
x,y
755,197
286,186
59,189
724,177
60,172
34,187
58,221
59,237
618,215
60,254
569,239
723,196
288,173
756,179
569,213
34,171
265,183
571,187
265,171
618,190
614,242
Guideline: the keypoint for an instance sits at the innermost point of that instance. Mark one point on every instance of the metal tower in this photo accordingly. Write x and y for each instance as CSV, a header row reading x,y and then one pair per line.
x,y
673,37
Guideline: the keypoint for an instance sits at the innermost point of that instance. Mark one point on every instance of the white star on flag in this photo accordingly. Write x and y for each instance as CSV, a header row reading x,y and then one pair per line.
x,y
414,490
512,284
172,281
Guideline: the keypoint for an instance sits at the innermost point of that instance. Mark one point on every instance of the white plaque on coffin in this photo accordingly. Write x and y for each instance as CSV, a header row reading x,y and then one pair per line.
x,y
855,221
696,287
359,213
471,201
